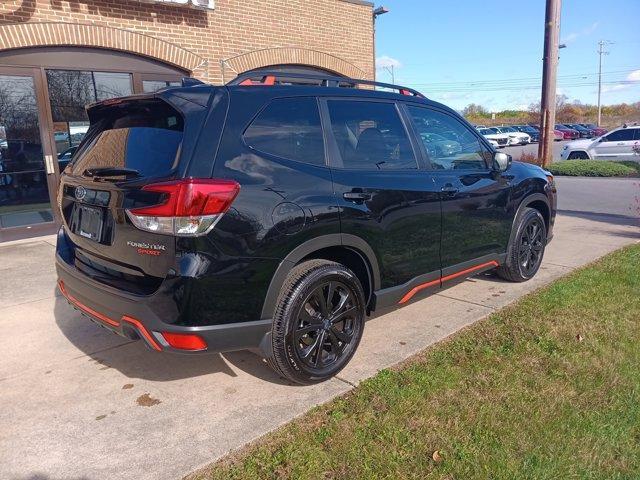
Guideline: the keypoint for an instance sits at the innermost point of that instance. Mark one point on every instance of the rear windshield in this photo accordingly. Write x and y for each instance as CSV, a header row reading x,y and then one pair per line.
x,y
144,136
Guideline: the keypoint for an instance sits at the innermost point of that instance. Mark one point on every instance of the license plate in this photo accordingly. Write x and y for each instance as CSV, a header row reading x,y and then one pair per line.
x,y
90,225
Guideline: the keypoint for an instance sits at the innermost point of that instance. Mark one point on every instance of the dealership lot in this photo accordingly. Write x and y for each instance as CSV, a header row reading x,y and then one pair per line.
x,y
79,402
532,149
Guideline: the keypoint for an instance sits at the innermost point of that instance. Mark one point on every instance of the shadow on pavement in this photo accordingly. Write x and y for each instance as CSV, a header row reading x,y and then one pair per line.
x,y
134,360
610,218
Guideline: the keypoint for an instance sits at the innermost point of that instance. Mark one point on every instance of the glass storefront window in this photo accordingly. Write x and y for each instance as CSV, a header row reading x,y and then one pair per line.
x,y
24,197
69,92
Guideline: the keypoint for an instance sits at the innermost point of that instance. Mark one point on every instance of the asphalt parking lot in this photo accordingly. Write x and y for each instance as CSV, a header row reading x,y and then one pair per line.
x,y
532,148
79,402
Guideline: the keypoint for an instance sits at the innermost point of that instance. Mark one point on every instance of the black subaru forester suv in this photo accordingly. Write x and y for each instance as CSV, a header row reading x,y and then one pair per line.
x,y
276,213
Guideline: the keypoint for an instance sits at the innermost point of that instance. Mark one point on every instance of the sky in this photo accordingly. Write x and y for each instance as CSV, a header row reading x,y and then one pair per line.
x,y
489,52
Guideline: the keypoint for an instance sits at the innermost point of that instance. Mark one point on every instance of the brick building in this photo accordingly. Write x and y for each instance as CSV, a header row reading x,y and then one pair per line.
x,y
58,55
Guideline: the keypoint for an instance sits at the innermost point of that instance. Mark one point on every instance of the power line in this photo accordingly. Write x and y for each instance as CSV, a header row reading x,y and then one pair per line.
x,y
519,80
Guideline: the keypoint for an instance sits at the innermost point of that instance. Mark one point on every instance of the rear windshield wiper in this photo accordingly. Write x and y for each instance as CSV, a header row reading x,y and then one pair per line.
x,y
111,172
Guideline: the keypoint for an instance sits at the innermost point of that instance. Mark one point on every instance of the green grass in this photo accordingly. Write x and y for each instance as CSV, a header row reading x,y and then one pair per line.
x,y
595,168
547,388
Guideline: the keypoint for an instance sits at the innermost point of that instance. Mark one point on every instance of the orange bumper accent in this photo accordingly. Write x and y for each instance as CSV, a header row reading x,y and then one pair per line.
x,y
110,321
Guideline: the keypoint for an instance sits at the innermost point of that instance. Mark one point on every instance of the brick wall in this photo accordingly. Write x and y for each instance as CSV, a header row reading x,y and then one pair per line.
x,y
277,31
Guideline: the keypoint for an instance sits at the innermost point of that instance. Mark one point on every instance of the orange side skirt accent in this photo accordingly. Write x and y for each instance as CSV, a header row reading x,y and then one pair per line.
x,y
422,286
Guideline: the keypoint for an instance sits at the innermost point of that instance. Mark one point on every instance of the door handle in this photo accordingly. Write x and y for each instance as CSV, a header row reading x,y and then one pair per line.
x,y
621,143
449,189
356,196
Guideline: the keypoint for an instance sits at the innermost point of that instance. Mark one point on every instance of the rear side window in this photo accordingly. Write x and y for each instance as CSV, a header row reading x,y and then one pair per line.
x,y
144,136
370,136
288,128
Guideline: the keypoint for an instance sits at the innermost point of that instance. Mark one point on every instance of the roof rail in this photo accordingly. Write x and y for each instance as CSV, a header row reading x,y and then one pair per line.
x,y
269,78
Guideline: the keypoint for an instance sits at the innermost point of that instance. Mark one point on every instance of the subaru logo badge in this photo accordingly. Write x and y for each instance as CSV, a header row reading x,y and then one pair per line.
x,y
80,192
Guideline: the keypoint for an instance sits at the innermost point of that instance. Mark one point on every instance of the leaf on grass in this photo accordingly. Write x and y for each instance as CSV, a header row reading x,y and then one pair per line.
x,y
579,338
436,456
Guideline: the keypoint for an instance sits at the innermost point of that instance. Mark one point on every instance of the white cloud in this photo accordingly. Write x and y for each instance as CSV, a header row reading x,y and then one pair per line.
x,y
614,88
387,61
570,38
634,76
573,36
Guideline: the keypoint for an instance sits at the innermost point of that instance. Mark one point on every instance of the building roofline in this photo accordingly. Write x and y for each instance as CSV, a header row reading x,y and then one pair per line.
x,y
359,2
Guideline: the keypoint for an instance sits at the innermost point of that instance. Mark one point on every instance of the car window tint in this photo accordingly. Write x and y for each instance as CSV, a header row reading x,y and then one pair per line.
x,y
449,143
289,128
370,136
620,135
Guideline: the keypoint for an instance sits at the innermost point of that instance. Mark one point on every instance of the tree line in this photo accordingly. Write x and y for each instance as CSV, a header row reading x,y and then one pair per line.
x,y
566,112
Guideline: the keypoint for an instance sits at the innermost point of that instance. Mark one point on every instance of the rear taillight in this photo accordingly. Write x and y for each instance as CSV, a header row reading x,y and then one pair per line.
x,y
190,207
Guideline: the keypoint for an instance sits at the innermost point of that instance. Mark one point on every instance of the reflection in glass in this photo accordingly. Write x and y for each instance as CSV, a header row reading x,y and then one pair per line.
x,y
24,197
150,86
69,92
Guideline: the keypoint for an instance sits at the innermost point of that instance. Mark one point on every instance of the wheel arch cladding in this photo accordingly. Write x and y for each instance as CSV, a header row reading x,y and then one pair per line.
x,y
543,208
353,260
537,201
350,250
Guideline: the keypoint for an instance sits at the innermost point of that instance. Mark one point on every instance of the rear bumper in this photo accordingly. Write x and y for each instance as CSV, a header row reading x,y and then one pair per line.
x,y
135,316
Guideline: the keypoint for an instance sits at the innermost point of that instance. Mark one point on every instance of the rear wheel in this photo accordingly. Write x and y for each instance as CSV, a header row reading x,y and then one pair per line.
x,y
318,321
525,252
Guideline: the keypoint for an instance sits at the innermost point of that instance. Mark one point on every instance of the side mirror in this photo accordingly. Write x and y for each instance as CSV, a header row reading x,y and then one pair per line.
x,y
602,139
501,162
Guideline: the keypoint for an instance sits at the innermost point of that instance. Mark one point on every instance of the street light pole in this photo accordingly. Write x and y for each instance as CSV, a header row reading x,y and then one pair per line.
x,y
376,13
601,52
549,74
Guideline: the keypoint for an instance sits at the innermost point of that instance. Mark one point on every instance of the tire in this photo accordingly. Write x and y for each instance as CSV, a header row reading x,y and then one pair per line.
x,y
312,340
578,155
525,252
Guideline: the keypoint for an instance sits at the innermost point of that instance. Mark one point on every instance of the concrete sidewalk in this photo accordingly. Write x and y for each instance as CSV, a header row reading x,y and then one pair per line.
x,y
79,402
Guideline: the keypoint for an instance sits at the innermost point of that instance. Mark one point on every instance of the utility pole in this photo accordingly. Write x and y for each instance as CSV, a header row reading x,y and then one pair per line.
x,y
391,71
601,52
549,74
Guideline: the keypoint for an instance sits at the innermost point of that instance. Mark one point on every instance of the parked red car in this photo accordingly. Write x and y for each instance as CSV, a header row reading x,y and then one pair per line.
x,y
568,133
557,134
598,131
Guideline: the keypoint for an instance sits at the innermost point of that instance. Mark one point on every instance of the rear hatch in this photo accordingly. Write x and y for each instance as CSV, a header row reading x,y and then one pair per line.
x,y
131,143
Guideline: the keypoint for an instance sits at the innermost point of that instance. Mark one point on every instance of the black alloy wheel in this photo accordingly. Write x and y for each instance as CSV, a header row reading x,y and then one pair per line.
x,y
325,325
526,248
531,247
318,321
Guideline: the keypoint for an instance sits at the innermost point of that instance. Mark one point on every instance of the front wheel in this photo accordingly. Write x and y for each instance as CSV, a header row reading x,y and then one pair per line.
x,y
525,252
318,321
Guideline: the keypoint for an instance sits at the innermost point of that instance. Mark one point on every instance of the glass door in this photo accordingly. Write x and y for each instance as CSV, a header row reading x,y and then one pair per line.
x,y
27,173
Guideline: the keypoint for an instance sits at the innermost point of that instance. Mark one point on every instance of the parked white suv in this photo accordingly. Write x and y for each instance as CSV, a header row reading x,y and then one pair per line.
x,y
620,144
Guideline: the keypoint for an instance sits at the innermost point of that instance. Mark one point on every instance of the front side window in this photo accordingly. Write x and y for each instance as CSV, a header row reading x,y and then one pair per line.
x,y
623,135
289,128
370,136
449,143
